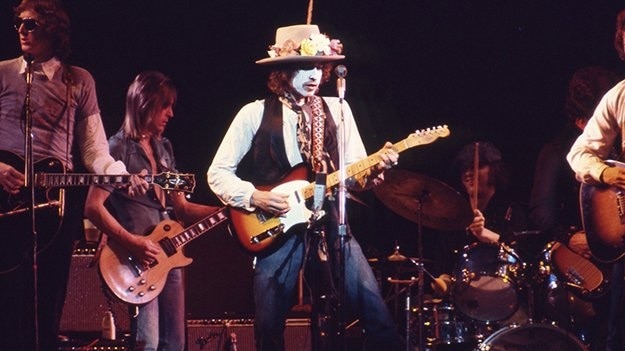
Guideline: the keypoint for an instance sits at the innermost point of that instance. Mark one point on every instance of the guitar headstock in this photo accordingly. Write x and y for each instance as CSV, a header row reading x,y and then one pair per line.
x,y
426,136
184,182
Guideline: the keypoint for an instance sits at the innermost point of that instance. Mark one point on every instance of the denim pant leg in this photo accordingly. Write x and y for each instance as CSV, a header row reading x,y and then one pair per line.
x,y
363,294
172,313
163,316
275,278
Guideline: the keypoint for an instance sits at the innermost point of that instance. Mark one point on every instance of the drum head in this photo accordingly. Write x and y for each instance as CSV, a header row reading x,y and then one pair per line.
x,y
485,287
532,337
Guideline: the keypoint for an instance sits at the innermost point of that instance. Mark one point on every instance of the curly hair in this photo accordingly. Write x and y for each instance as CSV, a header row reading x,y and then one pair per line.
x,y
54,21
586,88
280,78
618,35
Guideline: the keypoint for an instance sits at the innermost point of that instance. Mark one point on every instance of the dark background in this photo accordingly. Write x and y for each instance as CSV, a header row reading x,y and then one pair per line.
x,y
490,70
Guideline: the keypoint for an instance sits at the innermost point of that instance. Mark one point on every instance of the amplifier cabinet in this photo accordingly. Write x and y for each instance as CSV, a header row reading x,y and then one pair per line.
x,y
214,334
86,301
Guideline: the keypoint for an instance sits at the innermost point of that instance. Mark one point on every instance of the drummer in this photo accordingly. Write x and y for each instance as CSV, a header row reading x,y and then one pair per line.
x,y
487,191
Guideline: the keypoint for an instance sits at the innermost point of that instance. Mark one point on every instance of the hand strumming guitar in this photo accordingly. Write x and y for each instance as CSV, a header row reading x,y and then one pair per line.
x,y
614,176
277,204
10,179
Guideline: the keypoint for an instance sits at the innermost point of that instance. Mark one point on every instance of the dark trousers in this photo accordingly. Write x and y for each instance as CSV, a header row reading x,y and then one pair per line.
x,y
21,328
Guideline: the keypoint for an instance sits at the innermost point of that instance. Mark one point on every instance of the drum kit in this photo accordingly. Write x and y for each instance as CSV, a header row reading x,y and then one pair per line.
x,y
494,300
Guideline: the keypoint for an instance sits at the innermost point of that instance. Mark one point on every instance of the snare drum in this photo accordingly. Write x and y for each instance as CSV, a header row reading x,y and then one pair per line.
x,y
486,278
532,337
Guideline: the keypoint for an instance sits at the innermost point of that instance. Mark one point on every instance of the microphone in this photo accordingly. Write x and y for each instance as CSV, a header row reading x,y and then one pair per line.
x,y
29,68
341,72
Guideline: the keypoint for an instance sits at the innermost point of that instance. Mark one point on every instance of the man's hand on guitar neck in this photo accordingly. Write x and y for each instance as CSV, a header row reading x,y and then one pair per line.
x,y
613,176
277,204
10,179
138,185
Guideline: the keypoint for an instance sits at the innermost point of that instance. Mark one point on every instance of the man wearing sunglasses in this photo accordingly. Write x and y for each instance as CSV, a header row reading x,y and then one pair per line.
x,y
59,102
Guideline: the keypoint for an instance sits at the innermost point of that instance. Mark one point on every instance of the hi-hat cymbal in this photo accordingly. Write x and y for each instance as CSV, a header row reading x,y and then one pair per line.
x,y
425,200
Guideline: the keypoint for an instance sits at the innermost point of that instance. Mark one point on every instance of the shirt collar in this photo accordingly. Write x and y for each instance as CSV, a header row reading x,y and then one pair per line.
x,y
48,67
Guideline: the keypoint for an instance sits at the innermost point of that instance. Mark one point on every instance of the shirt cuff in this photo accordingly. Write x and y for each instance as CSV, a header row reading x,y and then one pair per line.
x,y
116,167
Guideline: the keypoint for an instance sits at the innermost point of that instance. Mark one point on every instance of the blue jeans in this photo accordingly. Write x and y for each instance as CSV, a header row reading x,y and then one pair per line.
x,y
275,280
160,324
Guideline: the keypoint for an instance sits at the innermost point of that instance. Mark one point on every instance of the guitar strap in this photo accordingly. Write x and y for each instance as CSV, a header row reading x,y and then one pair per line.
x,y
318,162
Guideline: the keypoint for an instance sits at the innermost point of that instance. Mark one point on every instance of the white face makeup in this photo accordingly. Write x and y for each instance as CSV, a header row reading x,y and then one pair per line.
x,y
306,82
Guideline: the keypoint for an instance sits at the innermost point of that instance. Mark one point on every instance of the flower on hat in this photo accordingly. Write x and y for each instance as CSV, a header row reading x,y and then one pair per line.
x,y
314,45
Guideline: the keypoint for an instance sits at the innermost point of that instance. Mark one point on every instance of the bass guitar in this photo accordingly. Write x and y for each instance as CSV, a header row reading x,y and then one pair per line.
x,y
50,181
134,283
603,215
259,231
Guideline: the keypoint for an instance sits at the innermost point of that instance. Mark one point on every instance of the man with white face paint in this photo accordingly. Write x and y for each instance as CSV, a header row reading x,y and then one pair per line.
x,y
275,135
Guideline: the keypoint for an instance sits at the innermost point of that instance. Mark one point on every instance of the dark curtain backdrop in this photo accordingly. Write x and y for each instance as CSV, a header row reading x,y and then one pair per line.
x,y
493,70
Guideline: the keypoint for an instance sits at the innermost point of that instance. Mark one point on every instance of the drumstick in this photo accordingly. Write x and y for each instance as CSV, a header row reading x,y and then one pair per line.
x,y
476,167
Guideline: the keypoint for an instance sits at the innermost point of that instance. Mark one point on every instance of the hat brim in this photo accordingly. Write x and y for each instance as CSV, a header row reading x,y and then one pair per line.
x,y
298,59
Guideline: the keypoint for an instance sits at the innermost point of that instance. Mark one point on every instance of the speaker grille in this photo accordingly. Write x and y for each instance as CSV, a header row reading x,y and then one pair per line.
x,y
212,335
86,302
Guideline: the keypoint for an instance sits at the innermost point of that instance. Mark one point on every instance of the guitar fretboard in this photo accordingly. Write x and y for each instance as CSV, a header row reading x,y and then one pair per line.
x,y
199,228
82,179
357,168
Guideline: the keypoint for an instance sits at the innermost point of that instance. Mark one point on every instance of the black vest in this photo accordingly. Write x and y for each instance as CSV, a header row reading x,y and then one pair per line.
x,y
270,162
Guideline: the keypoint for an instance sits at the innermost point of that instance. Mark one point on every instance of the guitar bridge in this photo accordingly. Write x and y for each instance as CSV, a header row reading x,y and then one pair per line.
x,y
574,277
620,205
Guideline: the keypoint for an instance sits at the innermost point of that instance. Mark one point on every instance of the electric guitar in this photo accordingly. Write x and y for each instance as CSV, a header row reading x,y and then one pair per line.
x,y
603,215
50,181
133,283
582,275
258,231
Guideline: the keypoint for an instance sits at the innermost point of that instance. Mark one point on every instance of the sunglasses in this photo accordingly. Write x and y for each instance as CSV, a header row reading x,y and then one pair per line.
x,y
30,24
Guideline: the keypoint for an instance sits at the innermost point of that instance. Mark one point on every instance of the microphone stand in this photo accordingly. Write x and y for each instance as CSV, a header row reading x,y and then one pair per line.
x,y
29,184
342,226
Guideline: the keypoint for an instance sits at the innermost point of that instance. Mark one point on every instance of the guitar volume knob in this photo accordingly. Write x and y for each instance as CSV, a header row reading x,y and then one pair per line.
x,y
152,288
131,288
142,282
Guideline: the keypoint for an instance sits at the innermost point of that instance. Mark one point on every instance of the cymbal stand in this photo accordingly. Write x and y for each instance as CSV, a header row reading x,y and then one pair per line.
x,y
420,271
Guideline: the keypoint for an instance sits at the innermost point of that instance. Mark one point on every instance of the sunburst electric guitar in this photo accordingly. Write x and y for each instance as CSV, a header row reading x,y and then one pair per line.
x,y
50,181
259,231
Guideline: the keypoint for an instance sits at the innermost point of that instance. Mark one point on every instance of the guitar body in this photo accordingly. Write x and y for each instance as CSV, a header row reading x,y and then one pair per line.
x,y
128,280
587,279
260,231
603,214
16,219
134,284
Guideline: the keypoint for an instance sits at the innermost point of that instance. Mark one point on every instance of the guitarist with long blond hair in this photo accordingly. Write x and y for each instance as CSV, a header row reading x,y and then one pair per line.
x,y
127,221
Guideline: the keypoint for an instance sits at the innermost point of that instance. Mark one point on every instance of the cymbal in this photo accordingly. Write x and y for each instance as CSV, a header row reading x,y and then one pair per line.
x,y
440,206
397,257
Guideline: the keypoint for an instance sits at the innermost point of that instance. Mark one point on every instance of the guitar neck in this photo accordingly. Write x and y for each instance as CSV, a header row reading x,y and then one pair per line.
x,y
194,231
47,180
356,168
